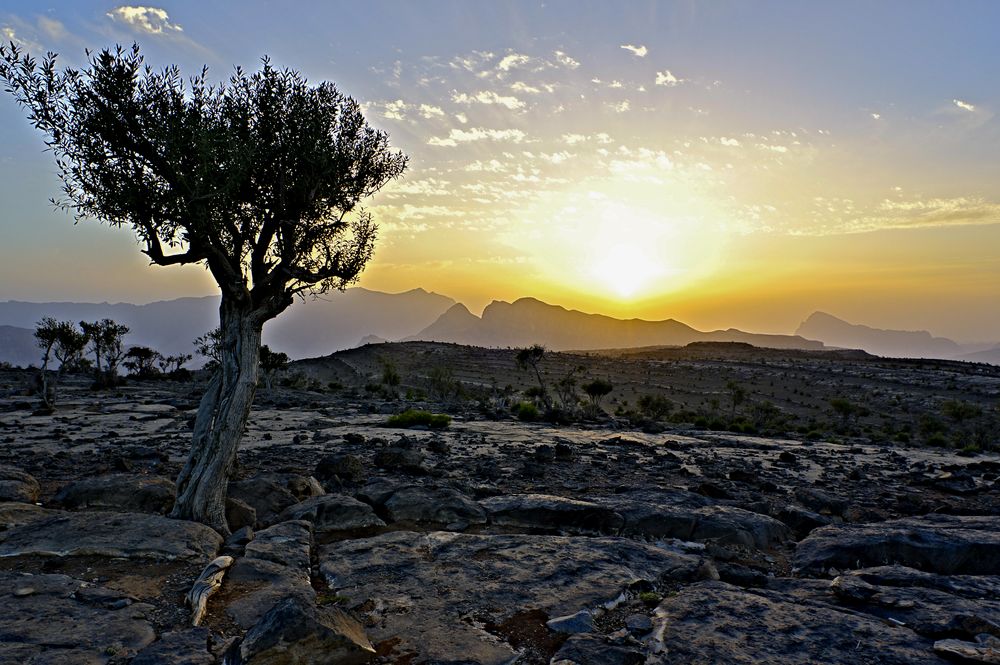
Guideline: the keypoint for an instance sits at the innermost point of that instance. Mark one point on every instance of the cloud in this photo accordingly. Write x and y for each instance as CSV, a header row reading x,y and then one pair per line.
x,y
638,51
667,78
566,61
512,61
395,110
488,97
965,106
621,107
150,20
729,142
876,116
457,136
428,111
53,28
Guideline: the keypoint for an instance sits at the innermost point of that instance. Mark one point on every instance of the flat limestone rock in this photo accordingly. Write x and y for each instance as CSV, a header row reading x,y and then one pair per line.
x,y
16,485
556,513
944,544
13,513
713,622
120,491
189,647
49,619
334,512
276,565
437,594
674,515
120,535
434,505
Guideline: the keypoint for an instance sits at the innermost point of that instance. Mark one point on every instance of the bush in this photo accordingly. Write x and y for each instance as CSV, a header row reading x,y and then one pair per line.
x,y
412,417
527,411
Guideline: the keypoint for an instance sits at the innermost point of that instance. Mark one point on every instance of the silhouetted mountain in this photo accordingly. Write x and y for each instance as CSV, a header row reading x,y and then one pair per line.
x,y
991,356
527,321
18,347
892,343
371,339
309,328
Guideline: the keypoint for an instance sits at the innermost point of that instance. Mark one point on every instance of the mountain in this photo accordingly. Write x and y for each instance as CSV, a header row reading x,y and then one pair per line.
x,y
308,328
18,347
892,343
528,321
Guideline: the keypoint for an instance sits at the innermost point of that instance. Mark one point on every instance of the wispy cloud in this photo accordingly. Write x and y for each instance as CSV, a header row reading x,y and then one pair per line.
x,y
965,106
149,20
638,51
566,61
457,136
667,78
488,97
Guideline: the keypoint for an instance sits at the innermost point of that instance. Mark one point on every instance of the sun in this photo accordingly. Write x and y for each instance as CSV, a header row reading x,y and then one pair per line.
x,y
627,268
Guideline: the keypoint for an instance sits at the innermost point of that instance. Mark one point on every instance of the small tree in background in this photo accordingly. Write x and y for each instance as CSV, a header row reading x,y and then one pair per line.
x,y
106,343
62,341
737,395
596,391
271,362
259,179
531,357
142,361
209,346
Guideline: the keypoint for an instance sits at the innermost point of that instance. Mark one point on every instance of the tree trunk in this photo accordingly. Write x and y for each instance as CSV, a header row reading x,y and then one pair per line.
x,y
222,415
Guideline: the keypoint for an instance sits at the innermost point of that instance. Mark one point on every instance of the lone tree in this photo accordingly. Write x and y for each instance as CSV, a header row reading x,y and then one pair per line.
x,y
531,357
259,179
105,338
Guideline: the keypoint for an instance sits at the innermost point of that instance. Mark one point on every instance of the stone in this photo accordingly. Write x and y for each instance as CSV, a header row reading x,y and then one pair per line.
x,y
13,513
596,650
144,494
442,506
121,535
343,467
296,632
401,459
800,520
188,647
944,544
821,502
265,495
334,512
276,565
16,485
239,514
713,622
376,492
417,588
638,624
687,516
553,513
579,622
52,624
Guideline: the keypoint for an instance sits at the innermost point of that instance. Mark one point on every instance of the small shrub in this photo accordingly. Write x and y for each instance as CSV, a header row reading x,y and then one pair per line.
x,y
412,417
527,412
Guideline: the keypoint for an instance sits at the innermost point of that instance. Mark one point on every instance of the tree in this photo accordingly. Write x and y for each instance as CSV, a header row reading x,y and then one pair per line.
x,y
142,361
596,391
737,395
271,362
260,179
209,346
64,342
106,343
531,357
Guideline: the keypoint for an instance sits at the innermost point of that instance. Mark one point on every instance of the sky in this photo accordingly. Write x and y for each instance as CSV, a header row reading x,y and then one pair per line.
x,y
727,164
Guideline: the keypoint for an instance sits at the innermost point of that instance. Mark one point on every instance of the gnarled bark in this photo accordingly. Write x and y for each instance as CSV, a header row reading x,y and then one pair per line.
x,y
222,415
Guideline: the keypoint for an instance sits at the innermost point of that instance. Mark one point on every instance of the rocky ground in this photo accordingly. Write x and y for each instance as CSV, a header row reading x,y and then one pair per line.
x,y
489,542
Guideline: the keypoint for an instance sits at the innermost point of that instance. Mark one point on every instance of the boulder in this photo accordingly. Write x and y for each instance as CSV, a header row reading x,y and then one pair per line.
x,y
45,619
944,544
276,565
442,506
188,647
14,514
551,513
296,632
342,467
431,593
16,485
681,515
596,650
333,512
239,514
265,495
713,622
119,491
401,459
119,535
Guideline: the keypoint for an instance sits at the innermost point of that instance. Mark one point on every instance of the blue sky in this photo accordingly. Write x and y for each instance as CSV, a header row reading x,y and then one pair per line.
x,y
618,157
